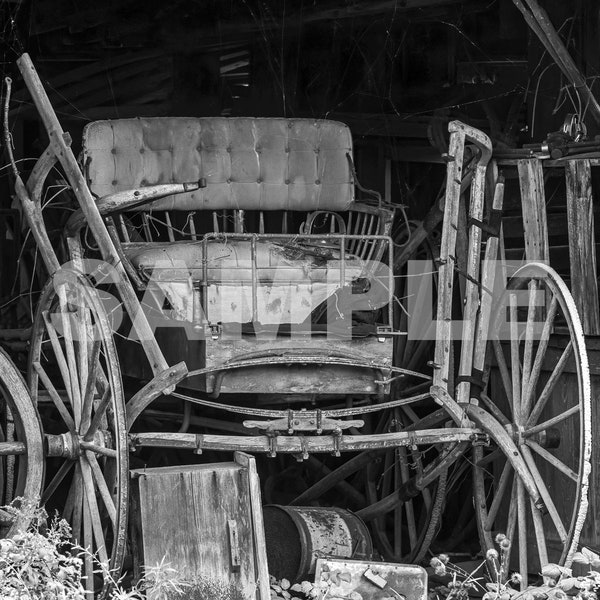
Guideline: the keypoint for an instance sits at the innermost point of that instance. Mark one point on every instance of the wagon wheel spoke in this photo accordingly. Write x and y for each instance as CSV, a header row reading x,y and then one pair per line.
x,y
88,558
55,396
57,480
548,420
92,504
544,425
504,371
556,462
541,350
503,486
515,365
87,474
548,500
59,355
532,312
75,500
98,415
550,384
538,526
522,523
67,342
102,487
90,386
512,516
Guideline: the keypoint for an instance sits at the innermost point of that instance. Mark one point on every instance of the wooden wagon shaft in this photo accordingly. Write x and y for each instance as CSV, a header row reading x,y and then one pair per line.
x,y
459,134
61,151
302,444
472,297
332,478
488,280
28,194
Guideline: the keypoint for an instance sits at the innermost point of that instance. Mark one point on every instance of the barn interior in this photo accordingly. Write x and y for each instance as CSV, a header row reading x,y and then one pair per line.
x,y
397,74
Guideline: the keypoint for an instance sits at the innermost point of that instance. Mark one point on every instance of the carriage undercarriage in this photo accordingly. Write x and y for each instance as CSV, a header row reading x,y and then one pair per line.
x,y
324,381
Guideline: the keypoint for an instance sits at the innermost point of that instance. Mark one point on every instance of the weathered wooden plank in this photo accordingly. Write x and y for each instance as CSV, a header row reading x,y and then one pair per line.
x,y
447,258
471,295
258,526
533,200
488,279
185,516
582,250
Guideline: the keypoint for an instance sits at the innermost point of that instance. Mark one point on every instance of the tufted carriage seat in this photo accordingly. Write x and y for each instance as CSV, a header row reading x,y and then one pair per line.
x,y
231,261
248,164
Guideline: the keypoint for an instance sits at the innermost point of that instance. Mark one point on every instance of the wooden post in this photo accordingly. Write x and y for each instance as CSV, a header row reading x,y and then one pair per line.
x,y
582,244
260,544
533,201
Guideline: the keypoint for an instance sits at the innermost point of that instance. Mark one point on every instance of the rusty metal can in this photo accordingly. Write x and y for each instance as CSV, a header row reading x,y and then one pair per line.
x,y
297,536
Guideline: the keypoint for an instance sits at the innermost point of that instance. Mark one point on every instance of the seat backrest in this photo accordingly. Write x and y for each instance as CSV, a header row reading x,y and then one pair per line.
x,y
248,164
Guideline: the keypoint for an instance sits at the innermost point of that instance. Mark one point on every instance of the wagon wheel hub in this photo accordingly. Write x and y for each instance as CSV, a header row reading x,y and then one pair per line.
x,y
547,438
72,445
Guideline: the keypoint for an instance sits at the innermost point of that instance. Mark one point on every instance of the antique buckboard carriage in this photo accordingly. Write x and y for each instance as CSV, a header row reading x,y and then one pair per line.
x,y
227,263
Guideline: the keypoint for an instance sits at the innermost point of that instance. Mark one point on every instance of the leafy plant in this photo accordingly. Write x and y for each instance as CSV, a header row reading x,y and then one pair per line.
x,y
32,565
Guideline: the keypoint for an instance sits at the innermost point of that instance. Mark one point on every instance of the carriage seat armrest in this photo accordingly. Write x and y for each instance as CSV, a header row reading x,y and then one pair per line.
x,y
129,199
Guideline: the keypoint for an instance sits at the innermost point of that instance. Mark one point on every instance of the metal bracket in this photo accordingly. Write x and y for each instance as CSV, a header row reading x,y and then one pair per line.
x,y
384,331
215,331
337,438
480,439
303,420
272,436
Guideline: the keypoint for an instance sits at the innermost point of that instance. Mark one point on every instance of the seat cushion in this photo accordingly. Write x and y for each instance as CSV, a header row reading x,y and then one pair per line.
x,y
230,261
248,163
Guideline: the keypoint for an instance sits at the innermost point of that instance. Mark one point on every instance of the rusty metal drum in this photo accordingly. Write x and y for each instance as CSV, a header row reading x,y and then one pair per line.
x,y
299,535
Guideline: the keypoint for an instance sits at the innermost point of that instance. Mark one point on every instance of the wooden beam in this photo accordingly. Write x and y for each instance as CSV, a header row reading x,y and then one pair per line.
x,y
539,22
582,250
371,7
533,201
243,27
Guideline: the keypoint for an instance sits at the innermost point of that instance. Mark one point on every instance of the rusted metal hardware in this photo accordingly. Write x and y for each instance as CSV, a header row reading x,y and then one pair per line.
x,y
480,439
304,420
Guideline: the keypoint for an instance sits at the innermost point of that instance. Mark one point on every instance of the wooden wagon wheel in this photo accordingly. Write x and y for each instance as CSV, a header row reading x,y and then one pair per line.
x,y
403,529
543,400
25,446
75,379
